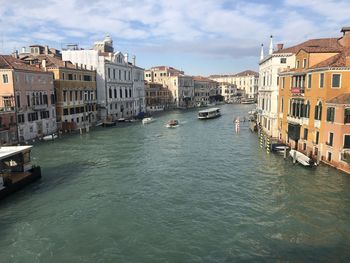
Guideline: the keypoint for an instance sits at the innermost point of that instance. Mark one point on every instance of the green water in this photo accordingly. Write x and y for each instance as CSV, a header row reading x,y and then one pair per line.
x,y
197,193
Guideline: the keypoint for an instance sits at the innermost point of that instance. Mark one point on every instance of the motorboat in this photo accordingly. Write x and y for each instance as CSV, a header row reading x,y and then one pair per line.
x,y
172,124
147,120
50,137
302,158
209,113
16,169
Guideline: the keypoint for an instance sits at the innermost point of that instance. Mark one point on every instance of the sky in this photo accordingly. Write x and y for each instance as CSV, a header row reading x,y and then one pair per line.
x,y
201,37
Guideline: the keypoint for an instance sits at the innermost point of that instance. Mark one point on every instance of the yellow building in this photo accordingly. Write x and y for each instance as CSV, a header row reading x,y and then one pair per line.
x,y
321,73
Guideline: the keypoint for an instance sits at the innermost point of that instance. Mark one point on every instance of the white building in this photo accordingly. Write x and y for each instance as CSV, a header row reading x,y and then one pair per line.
x,y
228,91
246,80
269,67
118,94
203,89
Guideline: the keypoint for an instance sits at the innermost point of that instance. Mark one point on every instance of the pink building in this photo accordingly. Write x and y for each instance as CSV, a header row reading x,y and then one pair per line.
x,y
27,100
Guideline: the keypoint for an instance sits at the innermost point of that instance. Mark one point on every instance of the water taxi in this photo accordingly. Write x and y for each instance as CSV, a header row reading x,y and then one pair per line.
x,y
172,124
16,170
209,113
147,120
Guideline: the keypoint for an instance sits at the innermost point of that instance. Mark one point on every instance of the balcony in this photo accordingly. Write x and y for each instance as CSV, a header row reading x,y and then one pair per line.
x,y
39,107
294,120
298,91
317,124
305,121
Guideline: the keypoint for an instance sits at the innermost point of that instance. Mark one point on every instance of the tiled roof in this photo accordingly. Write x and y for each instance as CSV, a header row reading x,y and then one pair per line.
x,y
340,99
338,60
246,73
9,62
52,62
314,45
200,78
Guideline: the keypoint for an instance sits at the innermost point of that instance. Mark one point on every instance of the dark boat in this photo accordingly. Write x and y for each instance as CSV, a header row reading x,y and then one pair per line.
x,y
16,170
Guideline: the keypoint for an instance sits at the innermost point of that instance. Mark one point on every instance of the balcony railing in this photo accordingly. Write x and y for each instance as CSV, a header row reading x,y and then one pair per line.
x,y
298,90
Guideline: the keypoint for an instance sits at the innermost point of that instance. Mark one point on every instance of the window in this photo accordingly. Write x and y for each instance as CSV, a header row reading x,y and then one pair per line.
x,y
330,114
70,76
110,93
304,63
336,80
109,73
309,79
306,132
281,104
321,80
318,111
5,78
28,100
62,76
347,115
347,141
20,118
114,73
282,83
330,139
121,93
18,100
317,136
283,60
297,66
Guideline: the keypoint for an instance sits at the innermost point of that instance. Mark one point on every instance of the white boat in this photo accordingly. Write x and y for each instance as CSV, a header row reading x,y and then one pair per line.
x,y
301,158
172,124
209,113
147,120
50,137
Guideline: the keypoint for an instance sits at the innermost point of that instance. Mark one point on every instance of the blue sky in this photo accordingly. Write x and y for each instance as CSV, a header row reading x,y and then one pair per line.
x,y
201,37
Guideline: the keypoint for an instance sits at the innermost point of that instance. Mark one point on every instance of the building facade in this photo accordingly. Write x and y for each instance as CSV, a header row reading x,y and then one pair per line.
x,y
312,108
246,80
158,98
269,68
203,88
27,95
117,94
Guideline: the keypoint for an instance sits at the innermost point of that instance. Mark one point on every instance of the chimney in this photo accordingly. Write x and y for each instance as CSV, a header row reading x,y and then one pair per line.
x,y
134,60
262,52
345,39
279,46
23,50
15,54
271,46
43,64
46,50
126,57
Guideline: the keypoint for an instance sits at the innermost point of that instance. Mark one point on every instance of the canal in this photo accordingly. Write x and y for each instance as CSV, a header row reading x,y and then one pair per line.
x,y
197,193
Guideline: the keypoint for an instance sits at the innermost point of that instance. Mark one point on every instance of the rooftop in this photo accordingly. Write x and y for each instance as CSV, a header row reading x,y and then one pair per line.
x,y
9,62
340,99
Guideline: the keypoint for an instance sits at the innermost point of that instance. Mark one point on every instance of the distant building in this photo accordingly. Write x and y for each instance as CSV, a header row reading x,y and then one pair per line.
x,y
230,92
27,99
180,85
205,90
246,80
158,98
118,94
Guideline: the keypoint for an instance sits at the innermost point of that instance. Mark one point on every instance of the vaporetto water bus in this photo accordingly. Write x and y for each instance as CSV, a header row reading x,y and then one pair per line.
x,y
209,113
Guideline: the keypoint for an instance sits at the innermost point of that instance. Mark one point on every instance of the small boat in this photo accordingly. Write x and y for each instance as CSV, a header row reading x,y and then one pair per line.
x,y
302,158
16,170
109,123
172,124
50,137
279,147
247,101
209,113
147,120
121,120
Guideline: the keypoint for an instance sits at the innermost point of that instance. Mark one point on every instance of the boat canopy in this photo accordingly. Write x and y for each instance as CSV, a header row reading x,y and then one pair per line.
x,y
209,110
7,151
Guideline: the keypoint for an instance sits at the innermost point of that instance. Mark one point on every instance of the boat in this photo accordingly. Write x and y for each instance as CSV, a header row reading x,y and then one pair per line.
x,y
172,124
302,158
147,120
109,123
279,147
50,137
247,101
16,170
121,120
209,113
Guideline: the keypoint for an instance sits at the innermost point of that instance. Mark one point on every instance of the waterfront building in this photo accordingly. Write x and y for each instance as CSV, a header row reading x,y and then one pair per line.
x,y
118,94
204,90
246,80
180,85
27,99
312,101
75,90
158,98
230,92
269,67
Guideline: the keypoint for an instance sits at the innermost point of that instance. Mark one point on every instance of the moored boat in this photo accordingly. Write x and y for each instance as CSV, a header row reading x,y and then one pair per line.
x,y
172,124
147,120
209,113
16,170
50,137
302,158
